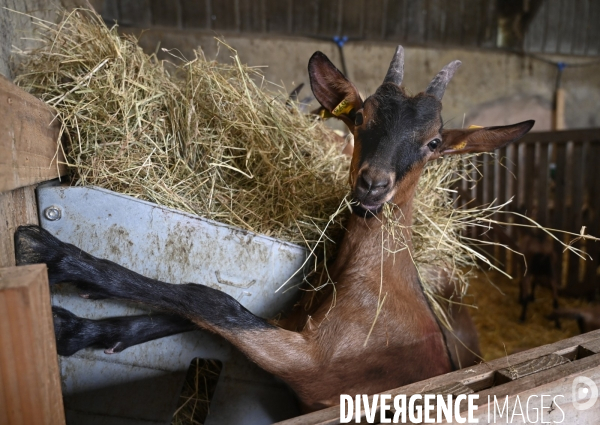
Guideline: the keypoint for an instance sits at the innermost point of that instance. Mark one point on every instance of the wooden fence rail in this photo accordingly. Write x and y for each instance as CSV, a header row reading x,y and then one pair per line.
x,y
553,178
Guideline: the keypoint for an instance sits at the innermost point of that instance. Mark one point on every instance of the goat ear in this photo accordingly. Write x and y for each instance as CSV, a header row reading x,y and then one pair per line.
x,y
333,91
483,139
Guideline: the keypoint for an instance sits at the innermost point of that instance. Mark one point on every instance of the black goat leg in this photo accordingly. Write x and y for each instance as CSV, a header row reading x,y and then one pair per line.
x,y
98,278
264,343
114,334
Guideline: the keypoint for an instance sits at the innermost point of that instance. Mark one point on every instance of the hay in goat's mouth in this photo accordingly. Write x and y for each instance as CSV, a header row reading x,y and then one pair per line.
x,y
208,138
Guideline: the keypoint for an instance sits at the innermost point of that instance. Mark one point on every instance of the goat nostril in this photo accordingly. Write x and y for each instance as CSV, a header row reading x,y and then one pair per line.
x,y
373,184
366,181
380,184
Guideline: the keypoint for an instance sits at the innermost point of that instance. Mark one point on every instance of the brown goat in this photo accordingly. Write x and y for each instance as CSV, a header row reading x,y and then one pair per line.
x,y
588,319
382,332
539,259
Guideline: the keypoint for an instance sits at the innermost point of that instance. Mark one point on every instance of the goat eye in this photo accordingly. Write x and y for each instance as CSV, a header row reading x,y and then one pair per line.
x,y
434,144
358,119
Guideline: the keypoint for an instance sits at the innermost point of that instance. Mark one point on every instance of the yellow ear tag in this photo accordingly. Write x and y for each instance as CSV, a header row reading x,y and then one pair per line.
x,y
343,108
459,145
462,144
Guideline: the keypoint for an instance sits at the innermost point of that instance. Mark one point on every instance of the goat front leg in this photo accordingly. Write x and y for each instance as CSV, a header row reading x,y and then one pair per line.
x,y
114,334
280,352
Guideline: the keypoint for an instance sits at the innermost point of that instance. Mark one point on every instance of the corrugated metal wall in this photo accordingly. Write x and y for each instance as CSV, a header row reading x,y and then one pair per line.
x,y
566,26
536,26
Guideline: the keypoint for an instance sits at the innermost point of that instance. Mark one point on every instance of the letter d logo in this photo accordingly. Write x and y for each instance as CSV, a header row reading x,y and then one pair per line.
x,y
583,388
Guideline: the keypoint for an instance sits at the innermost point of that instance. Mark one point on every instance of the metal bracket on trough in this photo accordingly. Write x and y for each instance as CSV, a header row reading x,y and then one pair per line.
x,y
141,385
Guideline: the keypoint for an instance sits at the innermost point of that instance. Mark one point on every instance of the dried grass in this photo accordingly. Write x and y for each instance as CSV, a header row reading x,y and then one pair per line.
x,y
200,136
497,316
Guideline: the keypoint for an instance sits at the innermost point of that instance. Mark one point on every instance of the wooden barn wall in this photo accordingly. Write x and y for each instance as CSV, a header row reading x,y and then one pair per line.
x,y
565,27
17,206
29,371
553,178
536,26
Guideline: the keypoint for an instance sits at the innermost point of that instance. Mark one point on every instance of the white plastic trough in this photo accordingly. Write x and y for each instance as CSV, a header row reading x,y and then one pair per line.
x,y
141,385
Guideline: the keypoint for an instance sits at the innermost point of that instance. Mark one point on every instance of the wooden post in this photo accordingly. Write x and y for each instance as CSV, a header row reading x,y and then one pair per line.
x,y
29,379
29,151
559,110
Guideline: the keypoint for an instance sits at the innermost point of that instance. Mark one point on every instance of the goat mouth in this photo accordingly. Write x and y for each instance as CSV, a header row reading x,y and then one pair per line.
x,y
371,207
366,210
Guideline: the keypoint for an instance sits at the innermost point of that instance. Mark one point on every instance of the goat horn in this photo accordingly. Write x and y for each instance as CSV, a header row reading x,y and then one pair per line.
x,y
437,87
396,71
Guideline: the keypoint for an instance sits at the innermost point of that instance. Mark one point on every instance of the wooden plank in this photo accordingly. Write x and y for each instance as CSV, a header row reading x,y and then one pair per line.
x,y
582,14
591,218
560,177
488,38
166,14
561,136
529,180
512,172
251,16
395,21
414,27
576,210
435,22
453,388
375,19
558,216
567,27
480,377
28,139
521,178
223,15
543,173
353,23
559,109
305,17
499,180
470,23
488,179
500,176
29,374
531,388
328,18
591,346
553,9
593,34
110,11
17,207
278,16
196,14
534,38
529,367
135,13
453,30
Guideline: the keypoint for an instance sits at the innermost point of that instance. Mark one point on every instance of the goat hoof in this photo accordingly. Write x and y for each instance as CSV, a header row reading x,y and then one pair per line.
x,y
117,348
34,245
91,296
69,330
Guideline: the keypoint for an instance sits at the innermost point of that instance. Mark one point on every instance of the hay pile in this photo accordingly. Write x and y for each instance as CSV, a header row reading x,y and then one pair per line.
x,y
199,136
